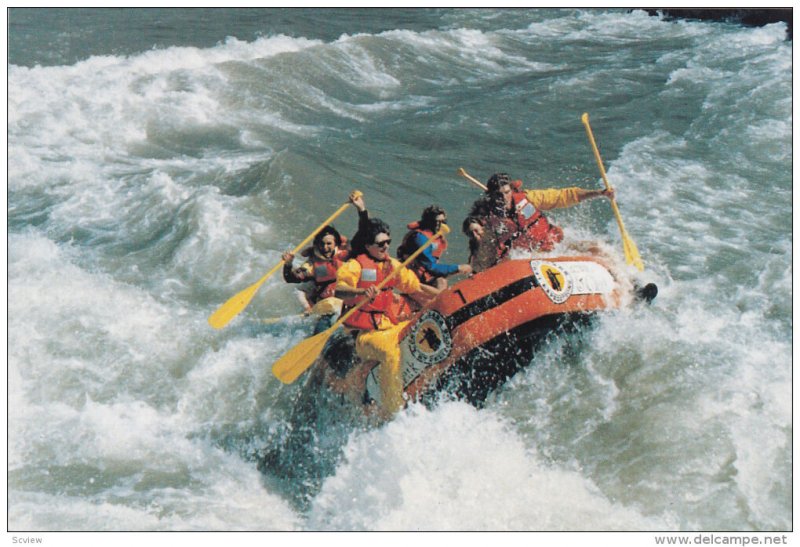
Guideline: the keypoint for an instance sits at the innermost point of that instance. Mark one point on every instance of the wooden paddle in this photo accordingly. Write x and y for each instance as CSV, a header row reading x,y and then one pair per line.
x,y
297,360
629,247
472,179
240,301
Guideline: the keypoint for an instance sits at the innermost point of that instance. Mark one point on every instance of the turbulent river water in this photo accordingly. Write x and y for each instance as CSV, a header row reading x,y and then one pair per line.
x,y
159,161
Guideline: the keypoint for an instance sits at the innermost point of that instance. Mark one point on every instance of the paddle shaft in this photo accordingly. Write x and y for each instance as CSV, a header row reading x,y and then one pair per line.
x,y
585,120
631,252
239,301
472,179
273,320
305,242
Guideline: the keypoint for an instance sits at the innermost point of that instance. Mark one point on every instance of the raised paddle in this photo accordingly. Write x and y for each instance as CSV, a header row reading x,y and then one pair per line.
x,y
472,179
629,247
297,360
239,301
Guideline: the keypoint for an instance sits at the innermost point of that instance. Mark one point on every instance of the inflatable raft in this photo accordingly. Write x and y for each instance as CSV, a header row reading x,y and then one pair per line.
x,y
475,335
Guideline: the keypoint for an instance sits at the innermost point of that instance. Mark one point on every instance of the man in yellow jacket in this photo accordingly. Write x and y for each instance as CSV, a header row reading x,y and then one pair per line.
x,y
514,216
378,323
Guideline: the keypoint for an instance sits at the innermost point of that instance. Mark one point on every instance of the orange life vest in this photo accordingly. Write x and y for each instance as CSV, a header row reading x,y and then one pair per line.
x,y
324,272
532,230
369,316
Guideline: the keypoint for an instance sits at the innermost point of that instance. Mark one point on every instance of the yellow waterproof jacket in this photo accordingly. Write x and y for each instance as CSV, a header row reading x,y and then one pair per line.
x,y
349,275
554,198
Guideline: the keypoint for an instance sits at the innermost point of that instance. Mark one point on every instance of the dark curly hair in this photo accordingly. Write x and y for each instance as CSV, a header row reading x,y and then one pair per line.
x,y
428,219
496,181
488,205
470,220
473,243
367,233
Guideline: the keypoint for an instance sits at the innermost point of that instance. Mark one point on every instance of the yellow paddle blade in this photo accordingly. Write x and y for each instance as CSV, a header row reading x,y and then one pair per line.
x,y
298,359
232,307
632,253
238,302
328,306
628,246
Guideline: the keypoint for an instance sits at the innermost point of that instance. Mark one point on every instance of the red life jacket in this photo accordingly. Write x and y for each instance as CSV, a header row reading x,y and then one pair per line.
x,y
369,316
324,272
533,230
406,249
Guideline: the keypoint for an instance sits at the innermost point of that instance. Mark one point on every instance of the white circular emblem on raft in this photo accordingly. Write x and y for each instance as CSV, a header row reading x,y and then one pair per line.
x,y
555,282
429,339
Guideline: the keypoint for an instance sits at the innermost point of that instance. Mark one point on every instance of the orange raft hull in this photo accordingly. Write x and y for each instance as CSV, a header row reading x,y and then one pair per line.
x,y
476,334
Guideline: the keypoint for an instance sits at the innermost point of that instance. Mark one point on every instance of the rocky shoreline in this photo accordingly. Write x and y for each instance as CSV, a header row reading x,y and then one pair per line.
x,y
744,16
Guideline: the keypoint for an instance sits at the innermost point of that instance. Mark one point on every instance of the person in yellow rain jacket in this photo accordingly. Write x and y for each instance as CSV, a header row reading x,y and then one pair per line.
x,y
376,324
514,216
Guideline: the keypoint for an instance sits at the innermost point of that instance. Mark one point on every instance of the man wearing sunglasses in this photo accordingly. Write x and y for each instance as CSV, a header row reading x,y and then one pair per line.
x,y
377,324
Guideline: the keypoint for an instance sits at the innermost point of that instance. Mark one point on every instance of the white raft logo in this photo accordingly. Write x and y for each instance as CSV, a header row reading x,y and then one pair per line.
x,y
554,281
430,338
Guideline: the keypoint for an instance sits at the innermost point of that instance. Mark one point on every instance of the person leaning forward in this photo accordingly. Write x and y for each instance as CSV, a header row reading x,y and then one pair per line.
x,y
376,324
473,227
514,215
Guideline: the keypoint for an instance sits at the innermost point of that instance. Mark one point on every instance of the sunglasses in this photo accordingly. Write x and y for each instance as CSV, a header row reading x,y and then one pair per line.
x,y
384,243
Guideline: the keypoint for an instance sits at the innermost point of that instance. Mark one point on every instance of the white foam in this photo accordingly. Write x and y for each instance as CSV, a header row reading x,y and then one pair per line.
x,y
458,468
96,369
116,103
77,337
223,494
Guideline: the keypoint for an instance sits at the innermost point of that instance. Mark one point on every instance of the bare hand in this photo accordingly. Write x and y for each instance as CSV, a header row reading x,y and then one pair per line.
x,y
371,292
287,257
357,199
465,269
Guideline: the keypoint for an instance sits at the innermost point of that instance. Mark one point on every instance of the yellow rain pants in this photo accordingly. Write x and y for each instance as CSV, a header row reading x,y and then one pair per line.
x,y
384,346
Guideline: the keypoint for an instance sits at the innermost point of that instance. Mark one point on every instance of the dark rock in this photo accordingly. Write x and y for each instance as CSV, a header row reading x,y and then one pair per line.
x,y
744,16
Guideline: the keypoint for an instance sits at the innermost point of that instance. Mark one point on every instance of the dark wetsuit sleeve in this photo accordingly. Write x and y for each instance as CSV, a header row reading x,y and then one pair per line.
x,y
357,242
